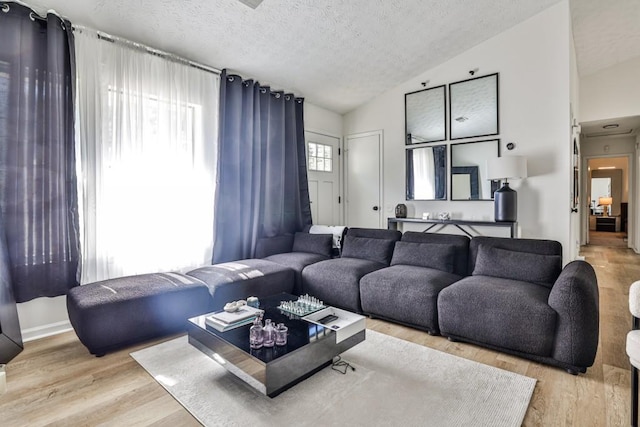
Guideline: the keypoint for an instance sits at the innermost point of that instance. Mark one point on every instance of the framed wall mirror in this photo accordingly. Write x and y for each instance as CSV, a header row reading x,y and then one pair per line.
x,y
425,116
427,173
469,170
473,107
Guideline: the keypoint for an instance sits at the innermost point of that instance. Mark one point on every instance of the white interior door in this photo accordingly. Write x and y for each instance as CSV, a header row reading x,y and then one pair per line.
x,y
364,180
323,171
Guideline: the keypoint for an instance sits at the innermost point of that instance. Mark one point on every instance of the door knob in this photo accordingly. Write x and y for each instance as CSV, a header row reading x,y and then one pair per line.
x,y
375,208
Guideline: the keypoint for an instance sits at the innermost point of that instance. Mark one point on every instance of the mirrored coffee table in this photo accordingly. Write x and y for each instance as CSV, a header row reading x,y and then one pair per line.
x,y
310,348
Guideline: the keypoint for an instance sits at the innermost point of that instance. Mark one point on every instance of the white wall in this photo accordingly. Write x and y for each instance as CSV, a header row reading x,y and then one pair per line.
x,y
42,317
533,59
611,93
322,120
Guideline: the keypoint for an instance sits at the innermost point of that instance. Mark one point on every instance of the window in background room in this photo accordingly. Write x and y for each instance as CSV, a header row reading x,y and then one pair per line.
x,y
147,138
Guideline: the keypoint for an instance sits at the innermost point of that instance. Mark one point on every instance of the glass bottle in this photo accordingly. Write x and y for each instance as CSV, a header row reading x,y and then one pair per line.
x,y
281,334
256,333
268,334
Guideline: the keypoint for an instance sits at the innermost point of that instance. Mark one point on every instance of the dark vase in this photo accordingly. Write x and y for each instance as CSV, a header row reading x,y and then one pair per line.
x,y
401,211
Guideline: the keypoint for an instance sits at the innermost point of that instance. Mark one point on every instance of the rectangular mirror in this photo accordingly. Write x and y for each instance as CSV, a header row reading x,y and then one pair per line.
x,y
427,173
469,170
425,116
473,107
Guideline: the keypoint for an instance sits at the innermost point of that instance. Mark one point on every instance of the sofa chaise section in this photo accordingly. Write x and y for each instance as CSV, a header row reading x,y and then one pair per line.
x,y
407,292
337,281
520,300
230,281
114,313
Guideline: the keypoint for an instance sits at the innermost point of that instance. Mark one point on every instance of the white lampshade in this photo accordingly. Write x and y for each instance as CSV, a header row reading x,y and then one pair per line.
x,y
605,201
506,167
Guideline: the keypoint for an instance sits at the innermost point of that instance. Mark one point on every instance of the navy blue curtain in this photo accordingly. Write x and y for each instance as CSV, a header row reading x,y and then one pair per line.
x,y
37,167
410,194
440,161
262,188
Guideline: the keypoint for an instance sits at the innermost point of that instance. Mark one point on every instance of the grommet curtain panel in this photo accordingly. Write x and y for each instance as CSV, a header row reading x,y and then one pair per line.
x,y
147,136
262,189
37,167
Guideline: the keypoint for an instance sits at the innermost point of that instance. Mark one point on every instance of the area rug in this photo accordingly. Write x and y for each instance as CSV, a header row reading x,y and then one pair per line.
x,y
395,382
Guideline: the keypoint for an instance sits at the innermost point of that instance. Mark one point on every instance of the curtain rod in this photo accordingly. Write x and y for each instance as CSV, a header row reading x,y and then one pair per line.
x,y
114,39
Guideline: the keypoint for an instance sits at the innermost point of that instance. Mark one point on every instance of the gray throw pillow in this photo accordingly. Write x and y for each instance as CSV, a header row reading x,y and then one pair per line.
x,y
431,255
523,266
268,246
378,250
313,243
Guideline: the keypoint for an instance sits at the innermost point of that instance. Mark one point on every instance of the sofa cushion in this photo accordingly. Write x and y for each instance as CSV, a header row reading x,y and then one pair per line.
x,y
534,246
429,255
524,266
240,279
117,312
376,250
337,281
297,261
406,294
273,245
459,242
504,313
320,244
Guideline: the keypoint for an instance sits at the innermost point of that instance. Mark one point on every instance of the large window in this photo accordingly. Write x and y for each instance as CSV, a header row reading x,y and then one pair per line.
x,y
148,164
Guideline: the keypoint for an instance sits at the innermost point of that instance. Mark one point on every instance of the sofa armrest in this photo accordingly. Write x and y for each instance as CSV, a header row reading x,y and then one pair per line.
x,y
574,297
268,246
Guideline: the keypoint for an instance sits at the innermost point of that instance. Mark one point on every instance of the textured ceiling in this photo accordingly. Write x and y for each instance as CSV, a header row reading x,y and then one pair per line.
x,y
605,32
338,54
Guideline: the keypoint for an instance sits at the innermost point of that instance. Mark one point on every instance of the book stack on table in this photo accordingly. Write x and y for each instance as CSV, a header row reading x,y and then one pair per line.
x,y
224,321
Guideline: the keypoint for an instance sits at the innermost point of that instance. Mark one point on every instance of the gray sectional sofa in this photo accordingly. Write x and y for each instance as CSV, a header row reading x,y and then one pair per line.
x,y
511,295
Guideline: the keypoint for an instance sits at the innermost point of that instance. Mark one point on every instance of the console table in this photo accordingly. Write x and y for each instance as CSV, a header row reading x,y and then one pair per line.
x,y
607,223
462,225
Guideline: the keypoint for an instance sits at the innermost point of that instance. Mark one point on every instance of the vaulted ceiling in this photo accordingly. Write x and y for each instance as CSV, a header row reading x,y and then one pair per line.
x,y
339,54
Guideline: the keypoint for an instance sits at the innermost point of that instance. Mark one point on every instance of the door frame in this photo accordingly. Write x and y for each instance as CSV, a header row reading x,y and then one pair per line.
x,y
341,166
631,199
380,134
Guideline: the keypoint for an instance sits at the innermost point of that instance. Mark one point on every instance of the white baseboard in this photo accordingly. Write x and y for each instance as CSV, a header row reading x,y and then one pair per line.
x,y
46,330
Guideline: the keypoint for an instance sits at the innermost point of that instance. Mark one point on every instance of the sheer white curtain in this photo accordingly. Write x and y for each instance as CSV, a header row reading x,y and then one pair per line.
x,y
424,172
146,140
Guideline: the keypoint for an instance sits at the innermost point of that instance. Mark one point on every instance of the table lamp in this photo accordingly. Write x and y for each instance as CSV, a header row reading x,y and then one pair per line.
x,y
506,199
606,202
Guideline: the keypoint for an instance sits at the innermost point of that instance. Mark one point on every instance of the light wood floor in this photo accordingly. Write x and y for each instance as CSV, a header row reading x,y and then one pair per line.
x,y
55,381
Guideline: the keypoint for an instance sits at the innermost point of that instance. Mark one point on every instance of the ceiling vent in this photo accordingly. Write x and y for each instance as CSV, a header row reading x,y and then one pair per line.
x,y
601,134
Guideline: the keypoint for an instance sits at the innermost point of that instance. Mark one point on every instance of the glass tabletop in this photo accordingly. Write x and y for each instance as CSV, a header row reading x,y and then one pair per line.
x,y
300,331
